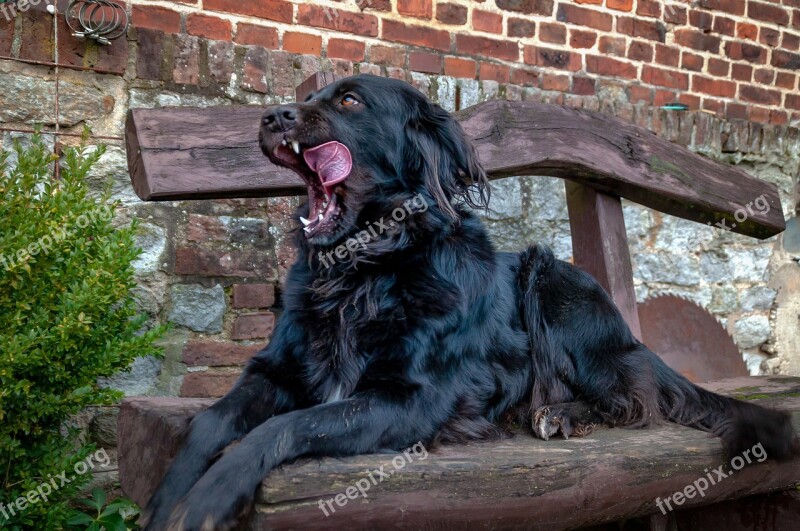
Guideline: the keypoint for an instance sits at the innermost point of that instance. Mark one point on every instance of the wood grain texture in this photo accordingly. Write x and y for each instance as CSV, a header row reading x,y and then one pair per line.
x,y
600,247
518,483
190,153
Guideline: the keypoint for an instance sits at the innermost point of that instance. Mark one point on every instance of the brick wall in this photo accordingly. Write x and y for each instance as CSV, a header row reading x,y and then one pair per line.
x,y
214,267
735,58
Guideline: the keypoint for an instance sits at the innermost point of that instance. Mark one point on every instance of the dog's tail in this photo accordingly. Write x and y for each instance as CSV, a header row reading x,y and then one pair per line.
x,y
583,350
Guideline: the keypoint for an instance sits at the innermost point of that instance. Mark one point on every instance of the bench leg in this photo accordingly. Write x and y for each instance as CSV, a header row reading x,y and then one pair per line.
x,y
600,246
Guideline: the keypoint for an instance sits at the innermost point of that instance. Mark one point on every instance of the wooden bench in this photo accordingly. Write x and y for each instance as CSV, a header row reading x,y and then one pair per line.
x,y
189,153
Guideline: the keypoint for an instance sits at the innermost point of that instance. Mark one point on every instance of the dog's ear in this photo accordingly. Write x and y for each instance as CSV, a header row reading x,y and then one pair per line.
x,y
440,154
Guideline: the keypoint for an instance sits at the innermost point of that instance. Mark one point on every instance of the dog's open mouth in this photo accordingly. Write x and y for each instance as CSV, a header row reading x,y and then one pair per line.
x,y
323,167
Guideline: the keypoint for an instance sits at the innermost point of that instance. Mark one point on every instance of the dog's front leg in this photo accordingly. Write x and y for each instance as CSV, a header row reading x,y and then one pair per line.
x,y
248,404
364,423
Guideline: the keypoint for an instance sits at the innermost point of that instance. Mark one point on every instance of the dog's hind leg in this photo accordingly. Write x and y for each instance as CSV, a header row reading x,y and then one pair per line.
x,y
570,419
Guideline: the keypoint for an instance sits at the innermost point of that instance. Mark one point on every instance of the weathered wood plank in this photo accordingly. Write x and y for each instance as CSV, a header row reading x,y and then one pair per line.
x,y
600,246
520,482
188,153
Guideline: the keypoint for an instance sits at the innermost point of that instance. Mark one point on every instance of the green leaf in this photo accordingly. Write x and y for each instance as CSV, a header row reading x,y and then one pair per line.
x,y
80,519
114,522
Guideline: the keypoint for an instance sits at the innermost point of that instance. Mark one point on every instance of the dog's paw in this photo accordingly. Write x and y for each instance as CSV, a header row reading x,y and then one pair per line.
x,y
552,420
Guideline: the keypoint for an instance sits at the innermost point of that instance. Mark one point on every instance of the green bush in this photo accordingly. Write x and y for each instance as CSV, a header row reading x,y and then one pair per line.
x,y
67,318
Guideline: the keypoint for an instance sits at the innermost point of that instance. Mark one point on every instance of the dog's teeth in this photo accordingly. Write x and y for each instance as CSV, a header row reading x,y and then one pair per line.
x,y
307,229
296,146
320,217
305,222
283,142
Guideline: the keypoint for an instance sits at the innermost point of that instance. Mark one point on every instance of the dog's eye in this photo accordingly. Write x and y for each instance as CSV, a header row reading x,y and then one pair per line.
x,y
349,100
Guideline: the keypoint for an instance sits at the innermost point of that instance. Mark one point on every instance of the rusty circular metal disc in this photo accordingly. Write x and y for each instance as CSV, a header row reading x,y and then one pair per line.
x,y
689,339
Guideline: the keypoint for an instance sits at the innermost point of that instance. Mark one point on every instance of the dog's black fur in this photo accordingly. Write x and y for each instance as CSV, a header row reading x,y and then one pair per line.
x,y
428,333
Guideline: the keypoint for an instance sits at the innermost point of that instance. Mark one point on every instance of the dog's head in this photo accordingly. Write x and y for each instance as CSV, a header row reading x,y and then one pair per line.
x,y
364,146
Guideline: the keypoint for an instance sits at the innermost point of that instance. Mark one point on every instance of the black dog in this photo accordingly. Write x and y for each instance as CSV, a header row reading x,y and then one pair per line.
x,y
402,324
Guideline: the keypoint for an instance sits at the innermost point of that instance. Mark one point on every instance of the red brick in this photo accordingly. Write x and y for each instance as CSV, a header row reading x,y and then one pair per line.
x,y
583,86
486,21
663,97
453,14
764,76
556,82
648,8
582,39
346,49
595,2
734,7
6,38
584,17
208,27
459,67
533,7
701,19
607,66
786,80
253,325
640,51
718,67
519,27
186,64
652,30
777,117
335,19
472,45
553,32
256,35
792,101
561,59
426,62
713,87
736,111
667,56
418,35
303,43
377,5
620,5
767,13
205,229
745,30
253,295
724,26
796,18
690,61
637,94
387,55
675,14
612,45
698,40
524,78
757,114
245,264
742,72
790,41
665,78
415,8
155,17
759,95
691,101
279,10
217,354
742,51
787,60
770,37
494,72
207,384
150,53
715,106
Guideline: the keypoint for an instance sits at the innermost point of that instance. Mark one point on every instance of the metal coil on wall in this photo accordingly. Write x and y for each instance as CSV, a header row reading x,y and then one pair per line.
x,y
99,20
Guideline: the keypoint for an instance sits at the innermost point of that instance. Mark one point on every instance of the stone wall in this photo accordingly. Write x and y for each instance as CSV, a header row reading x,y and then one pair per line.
x,y
214,268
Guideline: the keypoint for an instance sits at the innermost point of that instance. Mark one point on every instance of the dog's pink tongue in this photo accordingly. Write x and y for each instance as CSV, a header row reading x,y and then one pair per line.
x,y
331,161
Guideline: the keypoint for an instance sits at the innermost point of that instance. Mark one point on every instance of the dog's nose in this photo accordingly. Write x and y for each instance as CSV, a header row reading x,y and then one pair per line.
x,y
280,118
